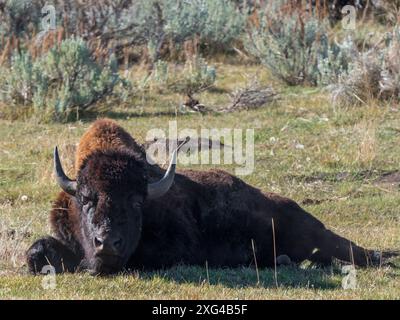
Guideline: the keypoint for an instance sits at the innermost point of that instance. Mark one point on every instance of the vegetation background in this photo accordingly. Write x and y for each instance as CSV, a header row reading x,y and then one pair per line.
x,y
321,94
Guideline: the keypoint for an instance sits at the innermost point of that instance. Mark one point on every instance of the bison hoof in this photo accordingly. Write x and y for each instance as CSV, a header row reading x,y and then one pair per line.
x,y
283,260
50,254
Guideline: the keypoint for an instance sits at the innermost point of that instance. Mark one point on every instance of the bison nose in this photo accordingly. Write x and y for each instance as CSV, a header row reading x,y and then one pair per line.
x,y
107,244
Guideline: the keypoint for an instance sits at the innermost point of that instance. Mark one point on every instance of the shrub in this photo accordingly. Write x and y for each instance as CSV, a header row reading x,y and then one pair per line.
x,y
388,11
63,82
295,49
17,84
81,18
336,61
360,83
196,76
126,24
192,77
374,74
390,74
216,22
17,16
287,50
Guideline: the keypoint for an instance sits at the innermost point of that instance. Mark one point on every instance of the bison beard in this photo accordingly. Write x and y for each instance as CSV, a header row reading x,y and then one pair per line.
x,y
109,223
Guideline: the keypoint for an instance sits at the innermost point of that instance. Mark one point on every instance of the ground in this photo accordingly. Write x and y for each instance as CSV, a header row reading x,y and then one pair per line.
x,y
339,164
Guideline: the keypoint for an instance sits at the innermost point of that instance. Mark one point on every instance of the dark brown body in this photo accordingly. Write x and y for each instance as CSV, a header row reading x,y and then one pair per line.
x,y
214,219
206,216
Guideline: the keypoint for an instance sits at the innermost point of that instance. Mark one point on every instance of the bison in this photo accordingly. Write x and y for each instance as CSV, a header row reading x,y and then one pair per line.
x,y
123,214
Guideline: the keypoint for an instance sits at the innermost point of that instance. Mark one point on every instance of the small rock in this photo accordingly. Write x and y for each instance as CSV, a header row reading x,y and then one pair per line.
x,y
24,198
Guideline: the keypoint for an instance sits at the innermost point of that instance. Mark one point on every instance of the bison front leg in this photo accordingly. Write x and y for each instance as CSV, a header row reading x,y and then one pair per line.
x,y
50,251
331,245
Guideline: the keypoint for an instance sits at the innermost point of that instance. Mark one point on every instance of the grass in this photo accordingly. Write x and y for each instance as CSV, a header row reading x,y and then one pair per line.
x,y
335,177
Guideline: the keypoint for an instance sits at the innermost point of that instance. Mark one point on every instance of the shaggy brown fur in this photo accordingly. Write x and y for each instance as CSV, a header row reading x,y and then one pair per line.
x,y
206,215
102,135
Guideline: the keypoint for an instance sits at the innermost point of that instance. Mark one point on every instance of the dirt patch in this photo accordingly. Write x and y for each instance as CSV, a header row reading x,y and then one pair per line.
x,y
384,180
310,201
376,176
391,177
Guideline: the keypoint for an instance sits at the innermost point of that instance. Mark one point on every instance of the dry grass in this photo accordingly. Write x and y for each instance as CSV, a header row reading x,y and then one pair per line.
x,y
367,146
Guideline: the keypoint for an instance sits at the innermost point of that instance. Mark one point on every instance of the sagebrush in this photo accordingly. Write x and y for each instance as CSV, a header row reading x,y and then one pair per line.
x,y
67,80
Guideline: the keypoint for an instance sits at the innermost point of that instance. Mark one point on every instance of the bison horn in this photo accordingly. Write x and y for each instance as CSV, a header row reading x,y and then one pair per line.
x,y
159,188
68,185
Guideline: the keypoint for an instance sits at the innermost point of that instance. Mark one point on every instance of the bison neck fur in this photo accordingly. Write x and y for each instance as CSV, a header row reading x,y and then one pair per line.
x,y
205,216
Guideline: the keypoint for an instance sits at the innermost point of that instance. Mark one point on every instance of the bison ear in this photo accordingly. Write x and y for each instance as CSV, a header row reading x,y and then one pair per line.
x,y
161,187
68,185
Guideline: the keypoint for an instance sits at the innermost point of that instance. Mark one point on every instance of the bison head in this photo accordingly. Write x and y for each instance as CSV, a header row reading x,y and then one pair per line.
x,y
109,192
